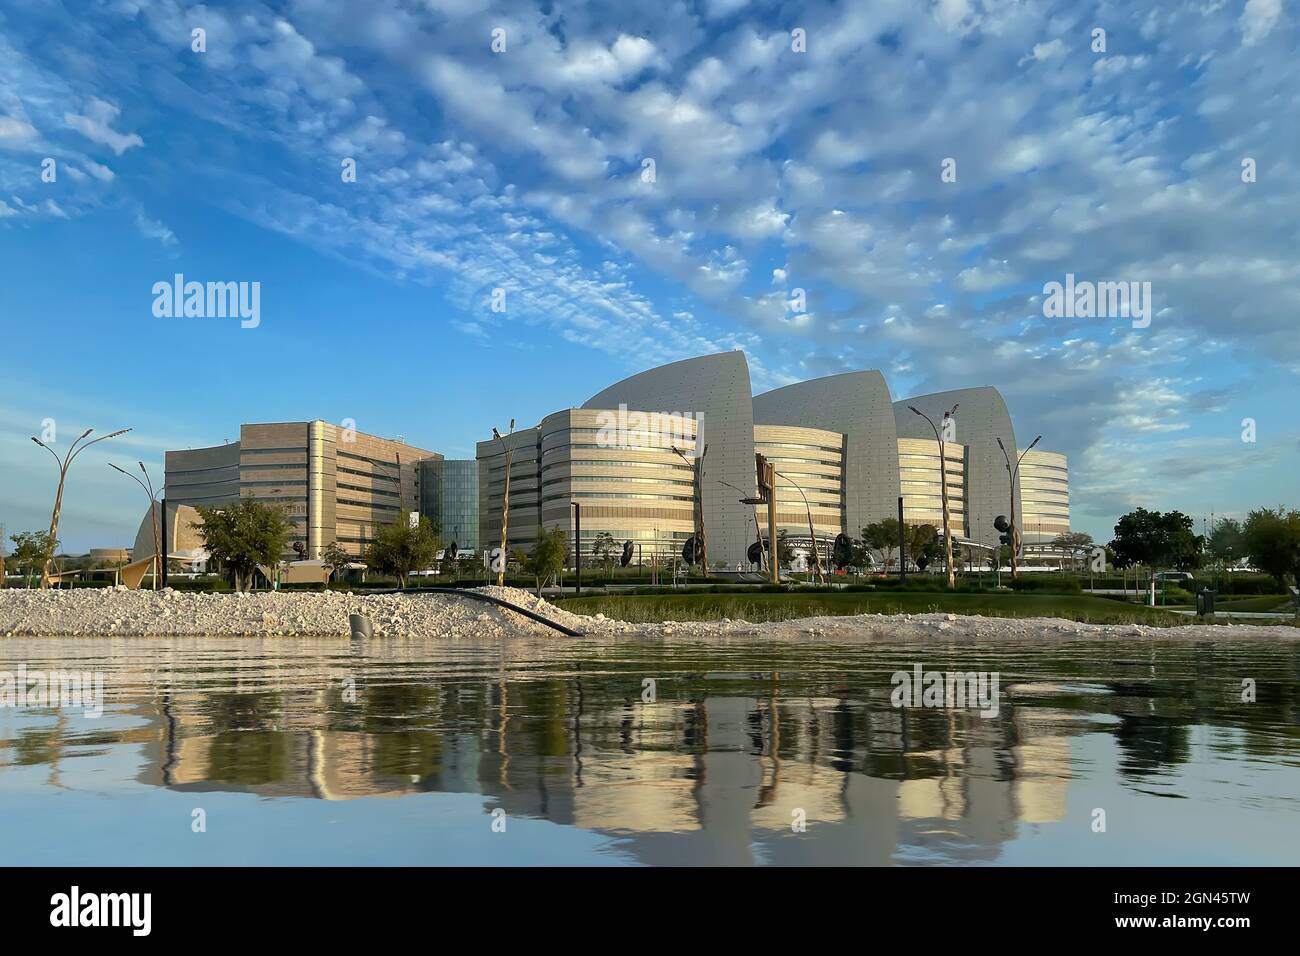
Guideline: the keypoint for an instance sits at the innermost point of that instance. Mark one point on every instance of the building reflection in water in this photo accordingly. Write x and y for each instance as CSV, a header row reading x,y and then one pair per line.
x,y
713,771
713,778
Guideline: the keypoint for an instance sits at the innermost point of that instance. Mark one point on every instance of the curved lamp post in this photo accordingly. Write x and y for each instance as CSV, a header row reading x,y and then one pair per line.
x,y
64,464
1013,474
147,485
943,487
812,537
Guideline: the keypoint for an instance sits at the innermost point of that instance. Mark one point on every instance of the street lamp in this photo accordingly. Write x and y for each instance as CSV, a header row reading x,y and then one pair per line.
x,y
943,486
505,501
697,474
812,537
64,464
147,485
577,543
747,499
1012,475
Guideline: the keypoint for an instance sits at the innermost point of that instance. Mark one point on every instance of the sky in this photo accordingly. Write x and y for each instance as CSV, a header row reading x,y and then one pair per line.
x,y
886,184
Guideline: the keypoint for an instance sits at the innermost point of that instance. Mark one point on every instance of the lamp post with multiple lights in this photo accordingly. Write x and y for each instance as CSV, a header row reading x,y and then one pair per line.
x,y
1013,474
943,484
147,485
64,464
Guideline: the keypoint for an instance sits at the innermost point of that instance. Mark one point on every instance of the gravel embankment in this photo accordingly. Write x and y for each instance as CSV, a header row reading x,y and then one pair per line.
x,y
119,612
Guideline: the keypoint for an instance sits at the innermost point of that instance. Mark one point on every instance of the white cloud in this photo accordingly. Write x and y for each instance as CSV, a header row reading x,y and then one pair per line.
x,y
1257,20
95,123
152,229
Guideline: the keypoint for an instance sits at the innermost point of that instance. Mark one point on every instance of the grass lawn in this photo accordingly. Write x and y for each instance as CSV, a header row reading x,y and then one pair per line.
x,y
759,607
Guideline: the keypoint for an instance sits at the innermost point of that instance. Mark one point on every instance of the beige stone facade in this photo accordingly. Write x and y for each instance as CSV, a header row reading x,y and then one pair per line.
x,y
1044,509
336,484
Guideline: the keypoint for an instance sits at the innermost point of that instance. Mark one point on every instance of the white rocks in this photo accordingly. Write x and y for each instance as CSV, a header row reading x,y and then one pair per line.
x,y
126,613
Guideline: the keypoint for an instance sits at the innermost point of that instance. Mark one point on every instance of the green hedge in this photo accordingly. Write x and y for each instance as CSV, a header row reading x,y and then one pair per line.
x,y
1045,583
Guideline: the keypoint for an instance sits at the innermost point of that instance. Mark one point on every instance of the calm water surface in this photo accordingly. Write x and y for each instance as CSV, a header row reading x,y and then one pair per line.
x,y
326,752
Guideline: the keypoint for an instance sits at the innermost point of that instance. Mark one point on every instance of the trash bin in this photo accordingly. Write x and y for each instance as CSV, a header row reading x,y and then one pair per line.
x,y
1205,602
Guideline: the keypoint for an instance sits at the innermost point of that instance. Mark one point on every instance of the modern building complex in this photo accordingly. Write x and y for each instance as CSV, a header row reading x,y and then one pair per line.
x,y
844,453
337,484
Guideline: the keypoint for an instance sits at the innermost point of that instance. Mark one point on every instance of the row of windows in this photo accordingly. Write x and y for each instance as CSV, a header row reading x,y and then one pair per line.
x,y
650,451
584,495
374,506
589,479
835,449
373,491
931,460
274,466
175,473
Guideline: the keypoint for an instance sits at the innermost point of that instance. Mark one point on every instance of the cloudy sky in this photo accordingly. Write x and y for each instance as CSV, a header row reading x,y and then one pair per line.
x,y
793,147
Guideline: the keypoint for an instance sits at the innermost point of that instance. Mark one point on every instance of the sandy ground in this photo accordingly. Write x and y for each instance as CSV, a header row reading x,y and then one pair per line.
x,y
119,612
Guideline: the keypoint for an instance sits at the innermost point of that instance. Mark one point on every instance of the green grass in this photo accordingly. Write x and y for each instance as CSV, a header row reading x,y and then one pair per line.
x,y
758,607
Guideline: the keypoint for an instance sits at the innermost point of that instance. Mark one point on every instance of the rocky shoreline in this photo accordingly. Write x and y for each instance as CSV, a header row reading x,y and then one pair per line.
x,y
118,612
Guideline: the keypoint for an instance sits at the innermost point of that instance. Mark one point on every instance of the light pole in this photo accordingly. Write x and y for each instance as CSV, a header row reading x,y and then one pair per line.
x,y
812,537
746,499
943,487
64,464
1012,475
505,501
697,473
577,544
147,485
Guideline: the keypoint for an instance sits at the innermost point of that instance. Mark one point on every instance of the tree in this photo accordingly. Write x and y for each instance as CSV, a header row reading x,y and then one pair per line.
x,y
603,549
1155,540
2,556
244,535
32,549
399,549
549,555
883,537
1076,545
784,550
335,559
922,540
1225,542
1271,537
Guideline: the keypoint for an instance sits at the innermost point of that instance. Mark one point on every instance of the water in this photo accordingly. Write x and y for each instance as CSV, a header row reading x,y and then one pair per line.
x,y
321,752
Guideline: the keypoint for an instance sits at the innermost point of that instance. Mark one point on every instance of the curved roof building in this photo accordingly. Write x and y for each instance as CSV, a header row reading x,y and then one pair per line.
x,y
857,405
844,451
980,421
715,390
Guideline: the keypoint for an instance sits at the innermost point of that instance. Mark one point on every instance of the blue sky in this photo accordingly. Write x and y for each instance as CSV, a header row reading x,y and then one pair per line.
x,y
775,170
